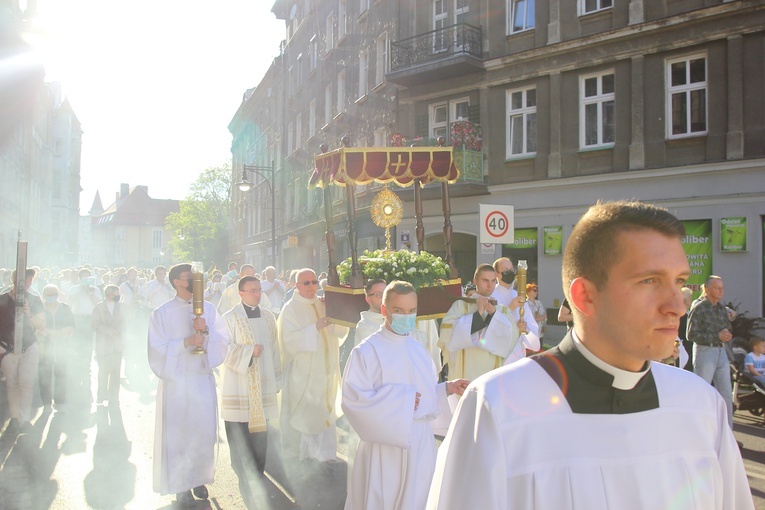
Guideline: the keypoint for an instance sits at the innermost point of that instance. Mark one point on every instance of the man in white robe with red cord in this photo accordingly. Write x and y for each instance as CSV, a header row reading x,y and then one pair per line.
x,y
187,404
592,423
391,396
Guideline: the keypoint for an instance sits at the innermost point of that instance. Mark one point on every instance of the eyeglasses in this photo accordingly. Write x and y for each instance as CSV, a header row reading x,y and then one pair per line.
x,y
375,294
309,282
252,291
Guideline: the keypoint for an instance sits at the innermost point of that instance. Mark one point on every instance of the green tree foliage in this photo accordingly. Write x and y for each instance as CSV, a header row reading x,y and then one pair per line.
x,y
201,226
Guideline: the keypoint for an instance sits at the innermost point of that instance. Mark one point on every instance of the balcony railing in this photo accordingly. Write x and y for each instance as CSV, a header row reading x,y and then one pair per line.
x,y
459,39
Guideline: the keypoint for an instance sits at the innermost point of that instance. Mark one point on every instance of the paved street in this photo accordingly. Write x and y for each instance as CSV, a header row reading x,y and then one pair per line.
x,y
100,457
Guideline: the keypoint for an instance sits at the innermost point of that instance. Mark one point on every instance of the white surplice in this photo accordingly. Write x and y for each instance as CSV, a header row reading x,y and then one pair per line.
x,y
186,416
395,458
310,399
275,297
426,333
471,355
515,443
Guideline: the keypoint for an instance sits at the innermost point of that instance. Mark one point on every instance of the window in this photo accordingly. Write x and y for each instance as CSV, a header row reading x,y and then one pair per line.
x,y
312,118
521,15
458,109
381,66
439,120
687,96
461,15
596,125
588,6
363,6
330,33
156,239
298,130
341,91
521,123
342,19
439,23
292,81
381,137
299,72
314,53
290,137
328,113
363,73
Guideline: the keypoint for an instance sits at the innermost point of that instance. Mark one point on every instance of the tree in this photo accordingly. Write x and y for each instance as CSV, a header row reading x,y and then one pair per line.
x,y
200,227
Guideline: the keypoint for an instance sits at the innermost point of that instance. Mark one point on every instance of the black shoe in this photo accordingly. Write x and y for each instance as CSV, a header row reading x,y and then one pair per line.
x,y
740,445
13,427
201,492
184,498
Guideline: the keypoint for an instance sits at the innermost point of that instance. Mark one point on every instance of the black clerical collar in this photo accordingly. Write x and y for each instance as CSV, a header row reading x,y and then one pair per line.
x,y
589,389
252,312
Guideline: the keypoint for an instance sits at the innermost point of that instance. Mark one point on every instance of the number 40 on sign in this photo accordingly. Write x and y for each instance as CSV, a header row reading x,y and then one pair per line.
x,y
497,224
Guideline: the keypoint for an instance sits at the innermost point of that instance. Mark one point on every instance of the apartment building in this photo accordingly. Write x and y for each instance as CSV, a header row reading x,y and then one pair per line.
x,y
565,103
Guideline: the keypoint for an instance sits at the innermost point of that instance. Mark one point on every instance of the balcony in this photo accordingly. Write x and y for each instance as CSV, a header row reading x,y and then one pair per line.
x,y
437,55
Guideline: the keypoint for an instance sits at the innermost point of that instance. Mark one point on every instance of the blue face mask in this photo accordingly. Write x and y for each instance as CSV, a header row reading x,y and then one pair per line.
x,y
403,323
51,299
232,274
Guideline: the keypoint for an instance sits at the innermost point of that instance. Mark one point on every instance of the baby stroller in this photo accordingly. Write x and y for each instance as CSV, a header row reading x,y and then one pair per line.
x,y
748,394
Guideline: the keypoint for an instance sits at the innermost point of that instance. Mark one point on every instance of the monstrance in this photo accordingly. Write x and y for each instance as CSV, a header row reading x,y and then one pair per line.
x,y
387,211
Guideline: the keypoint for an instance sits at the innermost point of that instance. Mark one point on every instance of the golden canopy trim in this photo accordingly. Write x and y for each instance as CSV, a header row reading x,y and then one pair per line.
x,y
401,165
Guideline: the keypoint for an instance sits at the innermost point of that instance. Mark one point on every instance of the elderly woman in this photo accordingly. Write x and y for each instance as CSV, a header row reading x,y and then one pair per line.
x,y
109,325
537,308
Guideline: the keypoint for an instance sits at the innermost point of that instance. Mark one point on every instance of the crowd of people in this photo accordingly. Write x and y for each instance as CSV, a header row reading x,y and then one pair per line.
x,y
262,350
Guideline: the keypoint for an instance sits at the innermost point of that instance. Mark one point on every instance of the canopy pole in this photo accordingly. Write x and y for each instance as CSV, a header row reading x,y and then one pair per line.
x,y
332,277
420,229
447,208
356,279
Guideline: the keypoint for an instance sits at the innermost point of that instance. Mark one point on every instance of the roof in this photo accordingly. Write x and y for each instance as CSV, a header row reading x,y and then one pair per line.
x,y
138,208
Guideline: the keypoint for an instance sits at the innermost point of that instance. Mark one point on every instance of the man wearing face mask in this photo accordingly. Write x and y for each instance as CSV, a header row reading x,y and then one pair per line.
x,y
506,294
109,326
187,403
391,397
479,334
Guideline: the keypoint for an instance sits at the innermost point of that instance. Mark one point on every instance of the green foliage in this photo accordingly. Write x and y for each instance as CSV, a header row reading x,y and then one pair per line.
x,y
200,228
420,269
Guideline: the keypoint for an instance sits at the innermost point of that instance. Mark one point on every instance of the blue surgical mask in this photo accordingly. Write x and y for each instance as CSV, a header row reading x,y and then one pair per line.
x,y
403,323
232,274
51,299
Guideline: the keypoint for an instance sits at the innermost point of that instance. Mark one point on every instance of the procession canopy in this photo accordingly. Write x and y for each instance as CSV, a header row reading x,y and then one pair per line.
x,y
401,165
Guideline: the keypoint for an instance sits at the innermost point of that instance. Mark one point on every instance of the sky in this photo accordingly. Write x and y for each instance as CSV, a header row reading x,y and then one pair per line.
x,y
154,84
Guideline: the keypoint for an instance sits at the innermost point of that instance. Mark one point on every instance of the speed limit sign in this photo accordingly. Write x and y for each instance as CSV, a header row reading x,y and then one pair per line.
x,y
497,224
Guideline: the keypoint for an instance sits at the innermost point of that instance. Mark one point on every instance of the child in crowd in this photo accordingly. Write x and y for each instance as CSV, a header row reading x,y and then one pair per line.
x,y
755,360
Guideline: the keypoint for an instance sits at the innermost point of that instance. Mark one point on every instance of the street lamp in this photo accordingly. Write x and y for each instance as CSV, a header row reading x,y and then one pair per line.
x,y
246,186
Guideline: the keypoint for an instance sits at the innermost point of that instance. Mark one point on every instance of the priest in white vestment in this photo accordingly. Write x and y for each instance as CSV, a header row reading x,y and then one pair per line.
x,y
309,345
252,377
186,422
391,395
230,297
478,337
592,424
274,289
506,295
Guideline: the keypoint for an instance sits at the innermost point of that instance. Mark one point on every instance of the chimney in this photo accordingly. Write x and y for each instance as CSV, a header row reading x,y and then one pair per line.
x,y
124,188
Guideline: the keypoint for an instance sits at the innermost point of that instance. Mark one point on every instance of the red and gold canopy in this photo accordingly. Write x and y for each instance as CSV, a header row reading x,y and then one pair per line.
x,y
401,165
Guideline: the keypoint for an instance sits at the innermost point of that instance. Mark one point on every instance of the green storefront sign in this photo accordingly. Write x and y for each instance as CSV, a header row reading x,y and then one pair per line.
x,y
553,239
524,238
697,244
733,234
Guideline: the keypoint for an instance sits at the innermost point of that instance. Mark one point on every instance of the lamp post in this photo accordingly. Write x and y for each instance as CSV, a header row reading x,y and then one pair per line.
x,y
244,185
